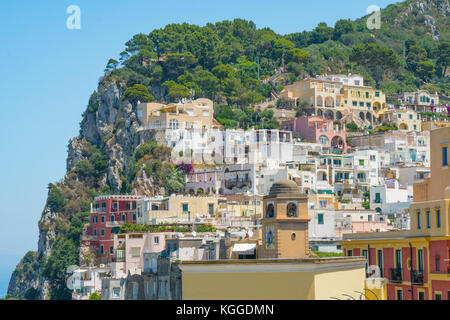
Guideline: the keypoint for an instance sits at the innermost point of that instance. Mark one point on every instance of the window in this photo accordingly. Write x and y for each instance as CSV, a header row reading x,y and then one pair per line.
x,y
377,197
123,218
366,255
115,205
355,103
174,124
206,113
418,220
102,249
320,218
368,104
398,258
116,293
134,216
428,220
211,208
156,240
444,156
438,218
185,207
113,218
291,210
438,296
361,162
95,232
103,219
350,253
136,252
399,294
323,140
111,250
380,262
103,232
361,104
420,259
270,212
438,264
421,295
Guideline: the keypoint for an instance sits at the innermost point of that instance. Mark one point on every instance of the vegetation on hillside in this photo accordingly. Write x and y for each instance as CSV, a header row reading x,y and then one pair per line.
x,y
227,62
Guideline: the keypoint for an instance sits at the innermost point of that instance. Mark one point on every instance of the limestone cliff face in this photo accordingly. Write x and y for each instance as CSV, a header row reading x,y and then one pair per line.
x,y
112,126
427,13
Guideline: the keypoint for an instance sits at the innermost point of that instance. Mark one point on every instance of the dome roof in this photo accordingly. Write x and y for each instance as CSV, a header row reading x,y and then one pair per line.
x,y
284,188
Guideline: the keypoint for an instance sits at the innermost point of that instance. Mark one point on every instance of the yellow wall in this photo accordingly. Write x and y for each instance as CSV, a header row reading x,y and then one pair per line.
x,y
282,285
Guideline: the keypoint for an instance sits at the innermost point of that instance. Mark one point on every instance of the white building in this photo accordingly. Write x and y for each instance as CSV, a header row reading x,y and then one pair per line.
x,y
391,197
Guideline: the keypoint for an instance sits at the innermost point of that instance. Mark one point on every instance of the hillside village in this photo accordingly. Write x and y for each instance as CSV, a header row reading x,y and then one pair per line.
x,y
230,162
350,185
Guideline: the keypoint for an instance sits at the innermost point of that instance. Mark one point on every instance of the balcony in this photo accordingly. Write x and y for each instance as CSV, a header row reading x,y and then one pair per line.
x,y
417,277
112,224
395,275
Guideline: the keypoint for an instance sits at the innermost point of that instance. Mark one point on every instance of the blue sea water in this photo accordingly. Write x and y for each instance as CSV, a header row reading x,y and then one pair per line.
x,y
8,263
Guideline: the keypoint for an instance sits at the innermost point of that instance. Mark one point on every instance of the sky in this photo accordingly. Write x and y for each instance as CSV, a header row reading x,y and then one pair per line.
x,y
47,73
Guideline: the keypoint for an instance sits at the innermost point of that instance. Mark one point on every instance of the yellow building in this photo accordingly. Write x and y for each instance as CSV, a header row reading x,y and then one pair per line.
x,y
178,207
197,114
417,261
280,279
431,125
404,119
242,205
335,100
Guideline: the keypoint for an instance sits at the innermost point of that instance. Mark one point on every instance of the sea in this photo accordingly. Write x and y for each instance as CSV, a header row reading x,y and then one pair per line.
x,y
8,263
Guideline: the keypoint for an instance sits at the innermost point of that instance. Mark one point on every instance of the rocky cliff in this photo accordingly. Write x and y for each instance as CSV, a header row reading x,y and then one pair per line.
x,y
111,124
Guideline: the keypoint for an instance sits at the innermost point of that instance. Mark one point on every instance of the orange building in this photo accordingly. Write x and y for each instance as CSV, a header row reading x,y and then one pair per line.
x,y
416,262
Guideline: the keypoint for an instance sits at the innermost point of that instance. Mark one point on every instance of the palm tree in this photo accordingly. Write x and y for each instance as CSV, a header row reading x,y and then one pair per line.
x,y
176,180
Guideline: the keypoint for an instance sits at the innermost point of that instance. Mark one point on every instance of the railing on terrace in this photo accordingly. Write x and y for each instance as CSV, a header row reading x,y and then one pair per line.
x,y
417,277
395,274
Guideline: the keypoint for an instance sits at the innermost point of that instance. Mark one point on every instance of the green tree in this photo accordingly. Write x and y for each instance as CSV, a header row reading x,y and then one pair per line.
x,y
342,27
321,33
443,57
376,59
55,200
111,65
95,296
176,91
138,92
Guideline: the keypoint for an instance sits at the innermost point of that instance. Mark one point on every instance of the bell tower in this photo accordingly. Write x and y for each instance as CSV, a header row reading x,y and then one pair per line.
x,y
285,222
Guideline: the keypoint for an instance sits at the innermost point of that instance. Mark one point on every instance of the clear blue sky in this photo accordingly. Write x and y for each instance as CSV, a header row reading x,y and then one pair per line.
x,y
47,73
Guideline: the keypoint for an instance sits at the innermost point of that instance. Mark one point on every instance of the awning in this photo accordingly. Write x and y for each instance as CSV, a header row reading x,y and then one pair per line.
x,y
244,248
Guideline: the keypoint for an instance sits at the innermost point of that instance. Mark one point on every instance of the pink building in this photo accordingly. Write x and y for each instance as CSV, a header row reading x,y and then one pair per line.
x,y
108,214
317,129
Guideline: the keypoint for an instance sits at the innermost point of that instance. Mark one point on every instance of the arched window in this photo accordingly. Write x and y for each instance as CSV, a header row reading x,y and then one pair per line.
x,y
292,210
174,124
323,140
270,212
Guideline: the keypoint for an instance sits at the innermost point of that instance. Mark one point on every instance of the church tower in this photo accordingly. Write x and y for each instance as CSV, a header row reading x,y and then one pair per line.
x,y
285,222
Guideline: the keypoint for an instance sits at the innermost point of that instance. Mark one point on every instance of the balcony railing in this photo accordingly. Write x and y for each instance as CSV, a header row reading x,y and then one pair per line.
x,y
112,224
395,275
417,277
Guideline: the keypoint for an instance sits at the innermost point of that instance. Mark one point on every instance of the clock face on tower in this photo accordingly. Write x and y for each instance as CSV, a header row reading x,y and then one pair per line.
x,y
270,237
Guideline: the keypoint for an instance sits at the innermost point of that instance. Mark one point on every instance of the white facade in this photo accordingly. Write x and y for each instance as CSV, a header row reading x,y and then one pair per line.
x,y
391,197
